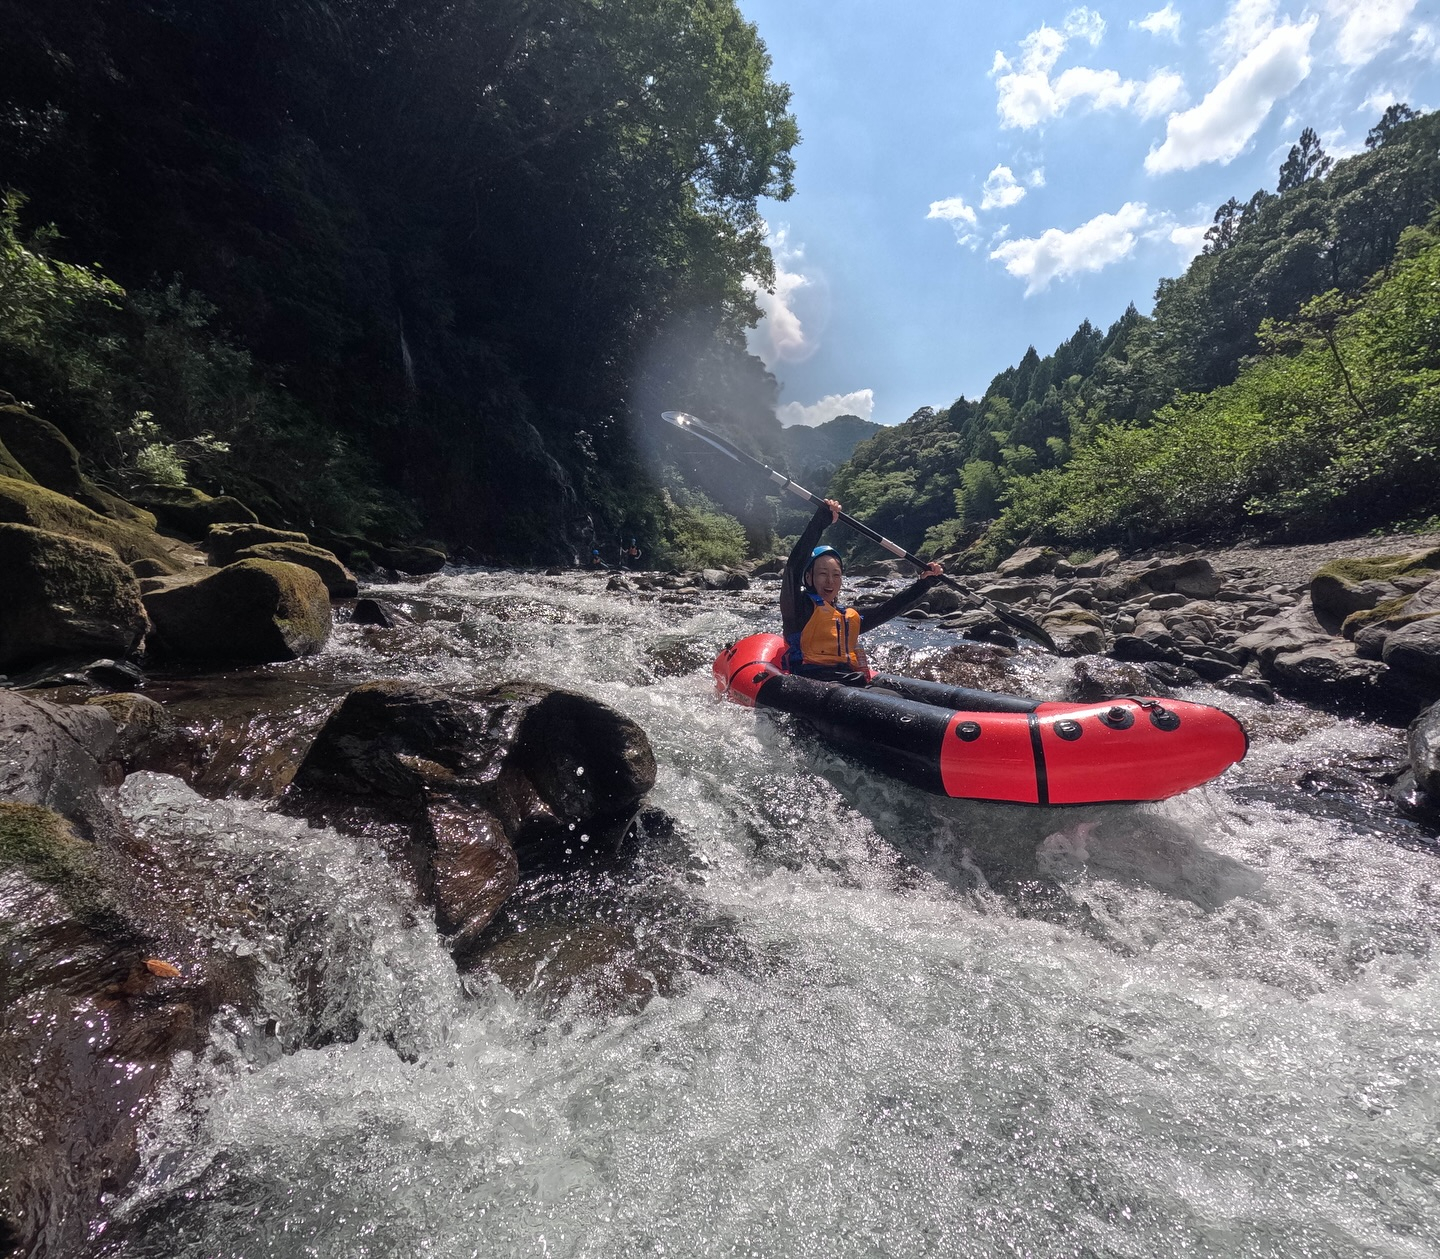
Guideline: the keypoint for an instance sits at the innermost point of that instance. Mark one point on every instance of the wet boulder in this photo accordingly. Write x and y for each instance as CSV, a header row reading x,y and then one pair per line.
x,y
1077,631
1415,648
26,503
225,541
64,596
250,612
480,787
416,561
140,724
338,579
56,755
1423,739
723,579
1294,629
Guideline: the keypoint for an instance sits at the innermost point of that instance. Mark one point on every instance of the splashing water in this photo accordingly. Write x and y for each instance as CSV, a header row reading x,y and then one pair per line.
x,y
857,1021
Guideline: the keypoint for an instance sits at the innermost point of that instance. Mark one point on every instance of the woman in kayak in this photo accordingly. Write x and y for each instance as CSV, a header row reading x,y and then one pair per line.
x,y
823,634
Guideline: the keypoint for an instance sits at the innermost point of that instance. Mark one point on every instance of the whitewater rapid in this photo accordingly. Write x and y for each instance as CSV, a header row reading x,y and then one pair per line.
x,y
825,1016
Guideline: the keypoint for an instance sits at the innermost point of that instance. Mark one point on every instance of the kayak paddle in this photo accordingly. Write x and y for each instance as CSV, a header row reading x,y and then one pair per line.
x,y
690,424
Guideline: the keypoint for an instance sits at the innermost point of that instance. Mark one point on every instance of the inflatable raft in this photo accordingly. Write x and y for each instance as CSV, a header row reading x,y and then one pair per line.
x,y
978,745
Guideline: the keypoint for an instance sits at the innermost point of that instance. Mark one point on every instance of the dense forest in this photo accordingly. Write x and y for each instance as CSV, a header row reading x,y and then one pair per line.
x,y
1287,384
394,268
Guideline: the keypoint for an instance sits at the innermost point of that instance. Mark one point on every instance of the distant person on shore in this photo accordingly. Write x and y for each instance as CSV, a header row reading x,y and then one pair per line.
x,y
823,634
631,555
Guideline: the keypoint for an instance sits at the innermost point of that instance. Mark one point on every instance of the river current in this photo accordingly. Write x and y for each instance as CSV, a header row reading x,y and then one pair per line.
x,y
819,1015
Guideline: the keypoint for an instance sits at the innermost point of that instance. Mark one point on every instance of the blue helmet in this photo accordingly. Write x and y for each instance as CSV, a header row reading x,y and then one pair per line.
x,y
815,555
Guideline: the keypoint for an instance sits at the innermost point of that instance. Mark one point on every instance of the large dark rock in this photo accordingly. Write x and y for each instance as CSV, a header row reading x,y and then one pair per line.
x,y
225,541
250,612
1423,738
57,756
417,561
477,788
1194,577
338,579
64,596
1343,587
1030,561
24,503
1075,630
192,512
1415,648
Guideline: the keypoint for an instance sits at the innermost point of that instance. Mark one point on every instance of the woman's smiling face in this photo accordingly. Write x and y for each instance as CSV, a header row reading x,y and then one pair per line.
x,y
826,577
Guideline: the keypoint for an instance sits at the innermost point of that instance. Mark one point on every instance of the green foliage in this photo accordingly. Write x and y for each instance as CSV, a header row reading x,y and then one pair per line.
x,y
698,535
1338,423
1156,427
480,243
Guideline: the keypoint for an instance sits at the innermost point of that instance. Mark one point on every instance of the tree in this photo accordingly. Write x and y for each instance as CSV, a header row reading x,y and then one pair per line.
x,y
1226,227
1394,117
1307,161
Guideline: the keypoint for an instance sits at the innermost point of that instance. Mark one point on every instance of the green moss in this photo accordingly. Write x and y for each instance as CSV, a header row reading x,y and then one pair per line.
x,y
10,466
42,845
1378,567
24,503
1392,613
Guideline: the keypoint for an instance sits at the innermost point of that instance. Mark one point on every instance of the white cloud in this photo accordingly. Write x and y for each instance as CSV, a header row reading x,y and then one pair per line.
x,y
1380,100
1368,26
1425,43
1026,95
1162,22
780,337
1001,189
1055,254
1086,24
1190,239
1220,126
1162,92
960,216
1036,178
861,402
1244,28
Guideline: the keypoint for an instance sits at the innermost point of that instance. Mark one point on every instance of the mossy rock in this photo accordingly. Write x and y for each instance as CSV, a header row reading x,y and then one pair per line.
x,y
1392,614
25,503
225,541
45,848
338,579
193,512
417,561
64,596
11,466
249,612
1343,587
49,459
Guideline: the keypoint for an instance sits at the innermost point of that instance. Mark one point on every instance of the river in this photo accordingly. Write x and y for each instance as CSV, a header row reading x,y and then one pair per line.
x,y
818,1016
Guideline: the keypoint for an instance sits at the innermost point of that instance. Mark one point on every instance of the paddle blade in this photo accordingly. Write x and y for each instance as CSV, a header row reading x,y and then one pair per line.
x,y
681,419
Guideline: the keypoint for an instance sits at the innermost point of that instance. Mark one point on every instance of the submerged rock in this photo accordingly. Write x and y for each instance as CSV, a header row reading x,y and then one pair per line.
x,y
251,612
64,596
57,756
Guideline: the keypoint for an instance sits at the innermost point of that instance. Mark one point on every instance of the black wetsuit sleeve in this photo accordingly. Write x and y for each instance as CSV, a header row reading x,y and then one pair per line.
x,y
896,604
794,612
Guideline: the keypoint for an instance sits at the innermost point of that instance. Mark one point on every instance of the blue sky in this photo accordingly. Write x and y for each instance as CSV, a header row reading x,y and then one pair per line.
x,y
976,178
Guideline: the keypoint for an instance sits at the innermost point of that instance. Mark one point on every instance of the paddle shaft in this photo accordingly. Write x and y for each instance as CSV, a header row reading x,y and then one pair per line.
x,y
688,423
691,425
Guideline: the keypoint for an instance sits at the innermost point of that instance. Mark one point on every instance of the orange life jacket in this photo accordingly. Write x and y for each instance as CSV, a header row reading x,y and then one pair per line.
x,y
830,637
